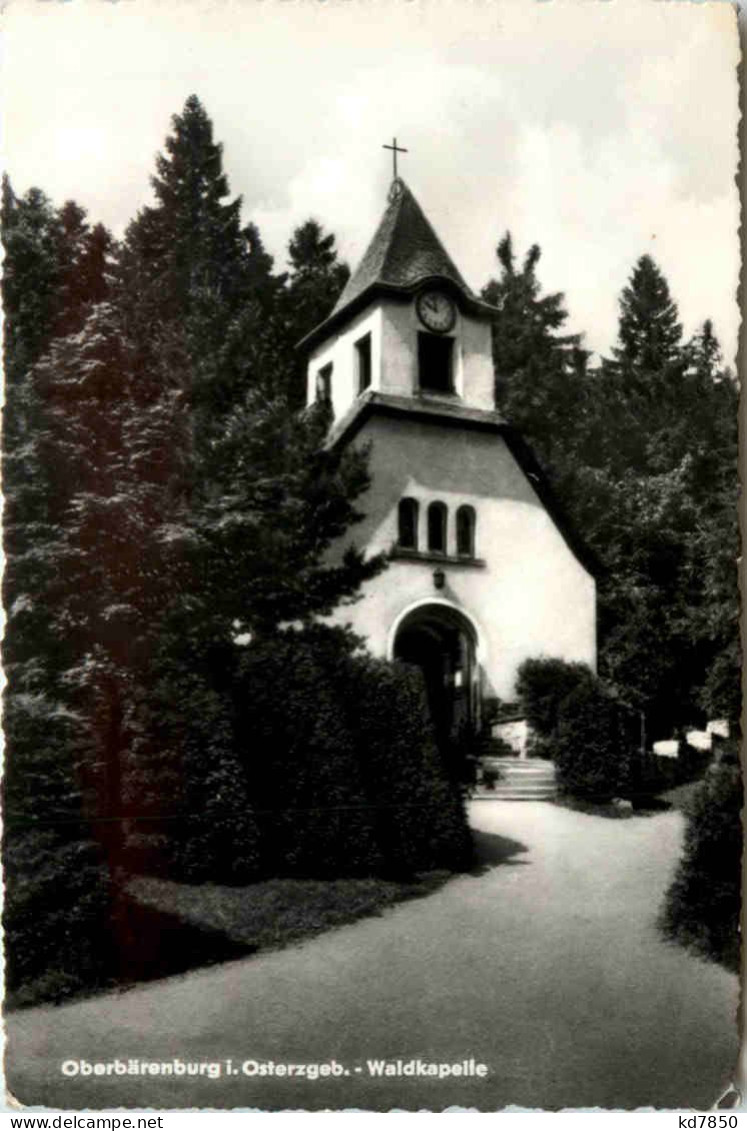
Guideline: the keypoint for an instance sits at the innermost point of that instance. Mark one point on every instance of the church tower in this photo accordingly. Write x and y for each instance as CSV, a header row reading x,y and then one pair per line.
x,y
406,324
483,570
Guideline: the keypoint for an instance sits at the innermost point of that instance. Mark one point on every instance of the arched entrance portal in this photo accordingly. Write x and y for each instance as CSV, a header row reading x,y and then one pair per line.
x,y
442,643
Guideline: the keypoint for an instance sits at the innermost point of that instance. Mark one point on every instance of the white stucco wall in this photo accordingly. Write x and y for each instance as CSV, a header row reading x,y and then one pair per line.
x,y
394,328
339,351
477,352
473,367
532,597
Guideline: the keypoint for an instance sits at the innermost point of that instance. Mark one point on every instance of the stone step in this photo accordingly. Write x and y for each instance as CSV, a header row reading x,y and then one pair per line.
x,y
519,775
481,794
502,760
524,786
518,779
521,787
519,771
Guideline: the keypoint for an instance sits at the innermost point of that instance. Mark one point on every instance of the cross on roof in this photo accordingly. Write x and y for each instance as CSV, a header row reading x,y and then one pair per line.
x,y
395,150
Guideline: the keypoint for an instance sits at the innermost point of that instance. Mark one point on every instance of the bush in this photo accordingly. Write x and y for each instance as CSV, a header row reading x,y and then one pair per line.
x,y
702,906
341,762
55,917
298,753
57,891
659,773
542,684
301,758
594,743
420,821
219,838
183,784
541,747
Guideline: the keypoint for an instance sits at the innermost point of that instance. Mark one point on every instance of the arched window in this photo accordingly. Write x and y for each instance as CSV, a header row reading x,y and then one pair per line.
x,y
437,527
408,524
465,532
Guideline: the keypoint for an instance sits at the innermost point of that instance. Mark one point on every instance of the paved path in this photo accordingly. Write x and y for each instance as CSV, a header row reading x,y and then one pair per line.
x,y
547,967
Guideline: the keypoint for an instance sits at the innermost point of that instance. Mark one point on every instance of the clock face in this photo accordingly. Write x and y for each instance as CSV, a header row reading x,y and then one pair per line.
x,y
436,311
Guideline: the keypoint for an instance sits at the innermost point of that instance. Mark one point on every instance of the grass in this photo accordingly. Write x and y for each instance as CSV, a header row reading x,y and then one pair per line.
x,y
645,806
278,912
590,806
680,796
140,944
160,928
677,797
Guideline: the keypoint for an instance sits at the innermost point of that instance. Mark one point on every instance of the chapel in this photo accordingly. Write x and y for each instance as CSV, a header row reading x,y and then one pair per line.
x,y
484,571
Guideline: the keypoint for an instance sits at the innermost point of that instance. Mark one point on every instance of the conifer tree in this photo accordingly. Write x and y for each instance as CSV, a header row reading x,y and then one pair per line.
x,y
657,500
539,371
54,273
649,332
303,297
250,502
315,282
55,270
642,452
208,325
713,438
31,275
642,386
317,276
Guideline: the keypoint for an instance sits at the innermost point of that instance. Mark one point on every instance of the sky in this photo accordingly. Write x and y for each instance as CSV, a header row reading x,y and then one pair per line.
x,y
599,130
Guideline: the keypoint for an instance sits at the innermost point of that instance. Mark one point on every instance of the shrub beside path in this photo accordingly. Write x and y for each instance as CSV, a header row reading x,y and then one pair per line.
x,y
547,966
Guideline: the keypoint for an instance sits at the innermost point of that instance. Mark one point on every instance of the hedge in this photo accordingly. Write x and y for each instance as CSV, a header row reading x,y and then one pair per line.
x,y
295,746
299,758
420,822
57,886
541,686
185,799
702,905
341,762
580,722
595,744
55,915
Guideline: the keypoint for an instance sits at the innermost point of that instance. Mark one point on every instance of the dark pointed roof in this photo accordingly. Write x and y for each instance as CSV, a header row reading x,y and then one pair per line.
x,y
404,252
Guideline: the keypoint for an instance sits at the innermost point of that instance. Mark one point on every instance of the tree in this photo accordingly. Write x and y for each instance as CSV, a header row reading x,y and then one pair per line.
x,y
315,282
713,619
539,372
642,452
55,270
238,540
56,915
643,389
209,326
55,267
84,254
188,271
649,332
303,297
659,504
317,277
278,501
31,275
